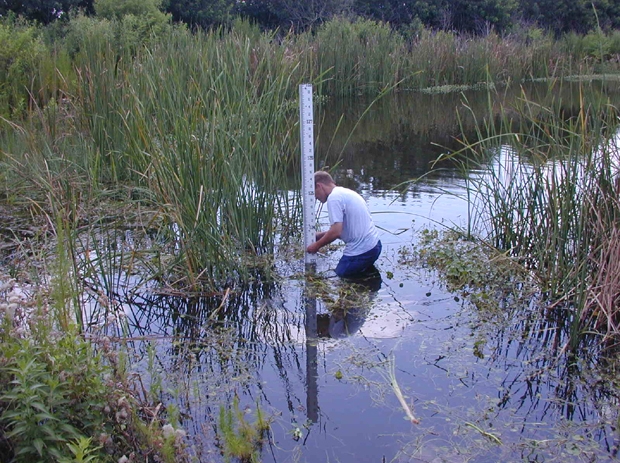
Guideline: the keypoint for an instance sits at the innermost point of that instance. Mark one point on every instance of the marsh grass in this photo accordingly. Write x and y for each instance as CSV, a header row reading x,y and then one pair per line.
x,y
218,171
212,139
543,190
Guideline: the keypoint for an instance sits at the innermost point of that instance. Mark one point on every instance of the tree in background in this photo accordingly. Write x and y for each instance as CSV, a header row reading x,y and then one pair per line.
x,y
262,12
477,16
402,13
579,16
471,16
608,13
310,13
43,11
201,13
461,15
293,14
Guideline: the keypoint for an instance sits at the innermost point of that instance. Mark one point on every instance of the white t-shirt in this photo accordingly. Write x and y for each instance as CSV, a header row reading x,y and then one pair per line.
x,y
358,229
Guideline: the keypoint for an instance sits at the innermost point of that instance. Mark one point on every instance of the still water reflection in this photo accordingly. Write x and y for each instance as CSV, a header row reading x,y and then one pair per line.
x,y
486,387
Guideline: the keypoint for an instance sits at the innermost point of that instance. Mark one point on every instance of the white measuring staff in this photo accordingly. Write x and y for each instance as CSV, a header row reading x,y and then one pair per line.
x,y
306,128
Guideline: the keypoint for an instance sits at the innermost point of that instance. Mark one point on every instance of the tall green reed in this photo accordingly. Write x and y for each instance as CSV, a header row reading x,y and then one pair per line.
x,y
212,137
359,57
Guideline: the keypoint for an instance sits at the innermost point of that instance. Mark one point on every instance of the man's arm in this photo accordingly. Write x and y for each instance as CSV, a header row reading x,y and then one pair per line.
x,y
324,238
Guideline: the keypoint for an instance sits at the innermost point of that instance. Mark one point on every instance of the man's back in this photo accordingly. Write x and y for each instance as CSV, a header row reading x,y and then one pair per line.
x,y
359,232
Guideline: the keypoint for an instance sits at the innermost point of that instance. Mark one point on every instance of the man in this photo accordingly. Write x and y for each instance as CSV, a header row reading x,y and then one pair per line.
x,y
351,222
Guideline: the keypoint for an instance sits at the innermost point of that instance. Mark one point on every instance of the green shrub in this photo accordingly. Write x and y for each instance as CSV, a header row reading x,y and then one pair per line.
x,y
85,31
55,395
60,401
117,9
614,44
21,51
136,20
361,55
126,32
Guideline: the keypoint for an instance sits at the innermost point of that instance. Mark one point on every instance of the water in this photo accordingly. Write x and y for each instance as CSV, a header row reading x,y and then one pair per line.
x,y
486,386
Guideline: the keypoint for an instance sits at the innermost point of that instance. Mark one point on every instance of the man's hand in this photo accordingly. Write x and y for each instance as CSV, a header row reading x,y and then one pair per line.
x,y
313,248
324,238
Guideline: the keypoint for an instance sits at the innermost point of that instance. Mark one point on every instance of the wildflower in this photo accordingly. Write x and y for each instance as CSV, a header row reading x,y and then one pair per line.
x,y
103,438
123,459
123,403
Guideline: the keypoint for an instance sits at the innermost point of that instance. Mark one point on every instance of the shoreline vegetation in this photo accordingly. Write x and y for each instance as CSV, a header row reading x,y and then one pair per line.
x,y
191,139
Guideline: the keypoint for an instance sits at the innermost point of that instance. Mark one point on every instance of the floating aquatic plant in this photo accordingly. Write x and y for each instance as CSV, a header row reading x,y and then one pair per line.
x,y
388,371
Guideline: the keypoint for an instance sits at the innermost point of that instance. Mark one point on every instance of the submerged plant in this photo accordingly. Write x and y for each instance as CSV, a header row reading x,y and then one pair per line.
x,y
241,439
388,371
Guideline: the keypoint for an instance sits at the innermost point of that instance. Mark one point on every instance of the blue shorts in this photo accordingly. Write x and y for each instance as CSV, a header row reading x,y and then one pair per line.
x,y
350,266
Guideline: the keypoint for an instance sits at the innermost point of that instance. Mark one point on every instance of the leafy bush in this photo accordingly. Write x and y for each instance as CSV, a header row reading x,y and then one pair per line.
x,y
85,30
56,395
61,401
136,20
21,50
120,32
115,9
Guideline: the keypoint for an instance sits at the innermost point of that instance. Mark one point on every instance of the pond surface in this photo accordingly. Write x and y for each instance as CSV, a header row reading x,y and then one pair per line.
x,y
314,354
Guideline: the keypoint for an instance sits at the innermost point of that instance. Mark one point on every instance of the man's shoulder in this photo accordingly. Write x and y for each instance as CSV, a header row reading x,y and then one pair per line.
x,y
343,191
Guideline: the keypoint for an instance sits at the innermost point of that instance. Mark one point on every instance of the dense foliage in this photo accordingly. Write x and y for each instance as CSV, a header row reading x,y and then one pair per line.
x,y
477,16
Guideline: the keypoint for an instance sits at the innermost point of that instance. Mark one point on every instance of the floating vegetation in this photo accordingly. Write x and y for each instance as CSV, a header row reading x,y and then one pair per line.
x,y
388,371
240,439
457,88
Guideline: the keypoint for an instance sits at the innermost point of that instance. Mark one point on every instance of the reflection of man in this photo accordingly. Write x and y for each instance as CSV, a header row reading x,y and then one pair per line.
x,y
340,323
351,222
